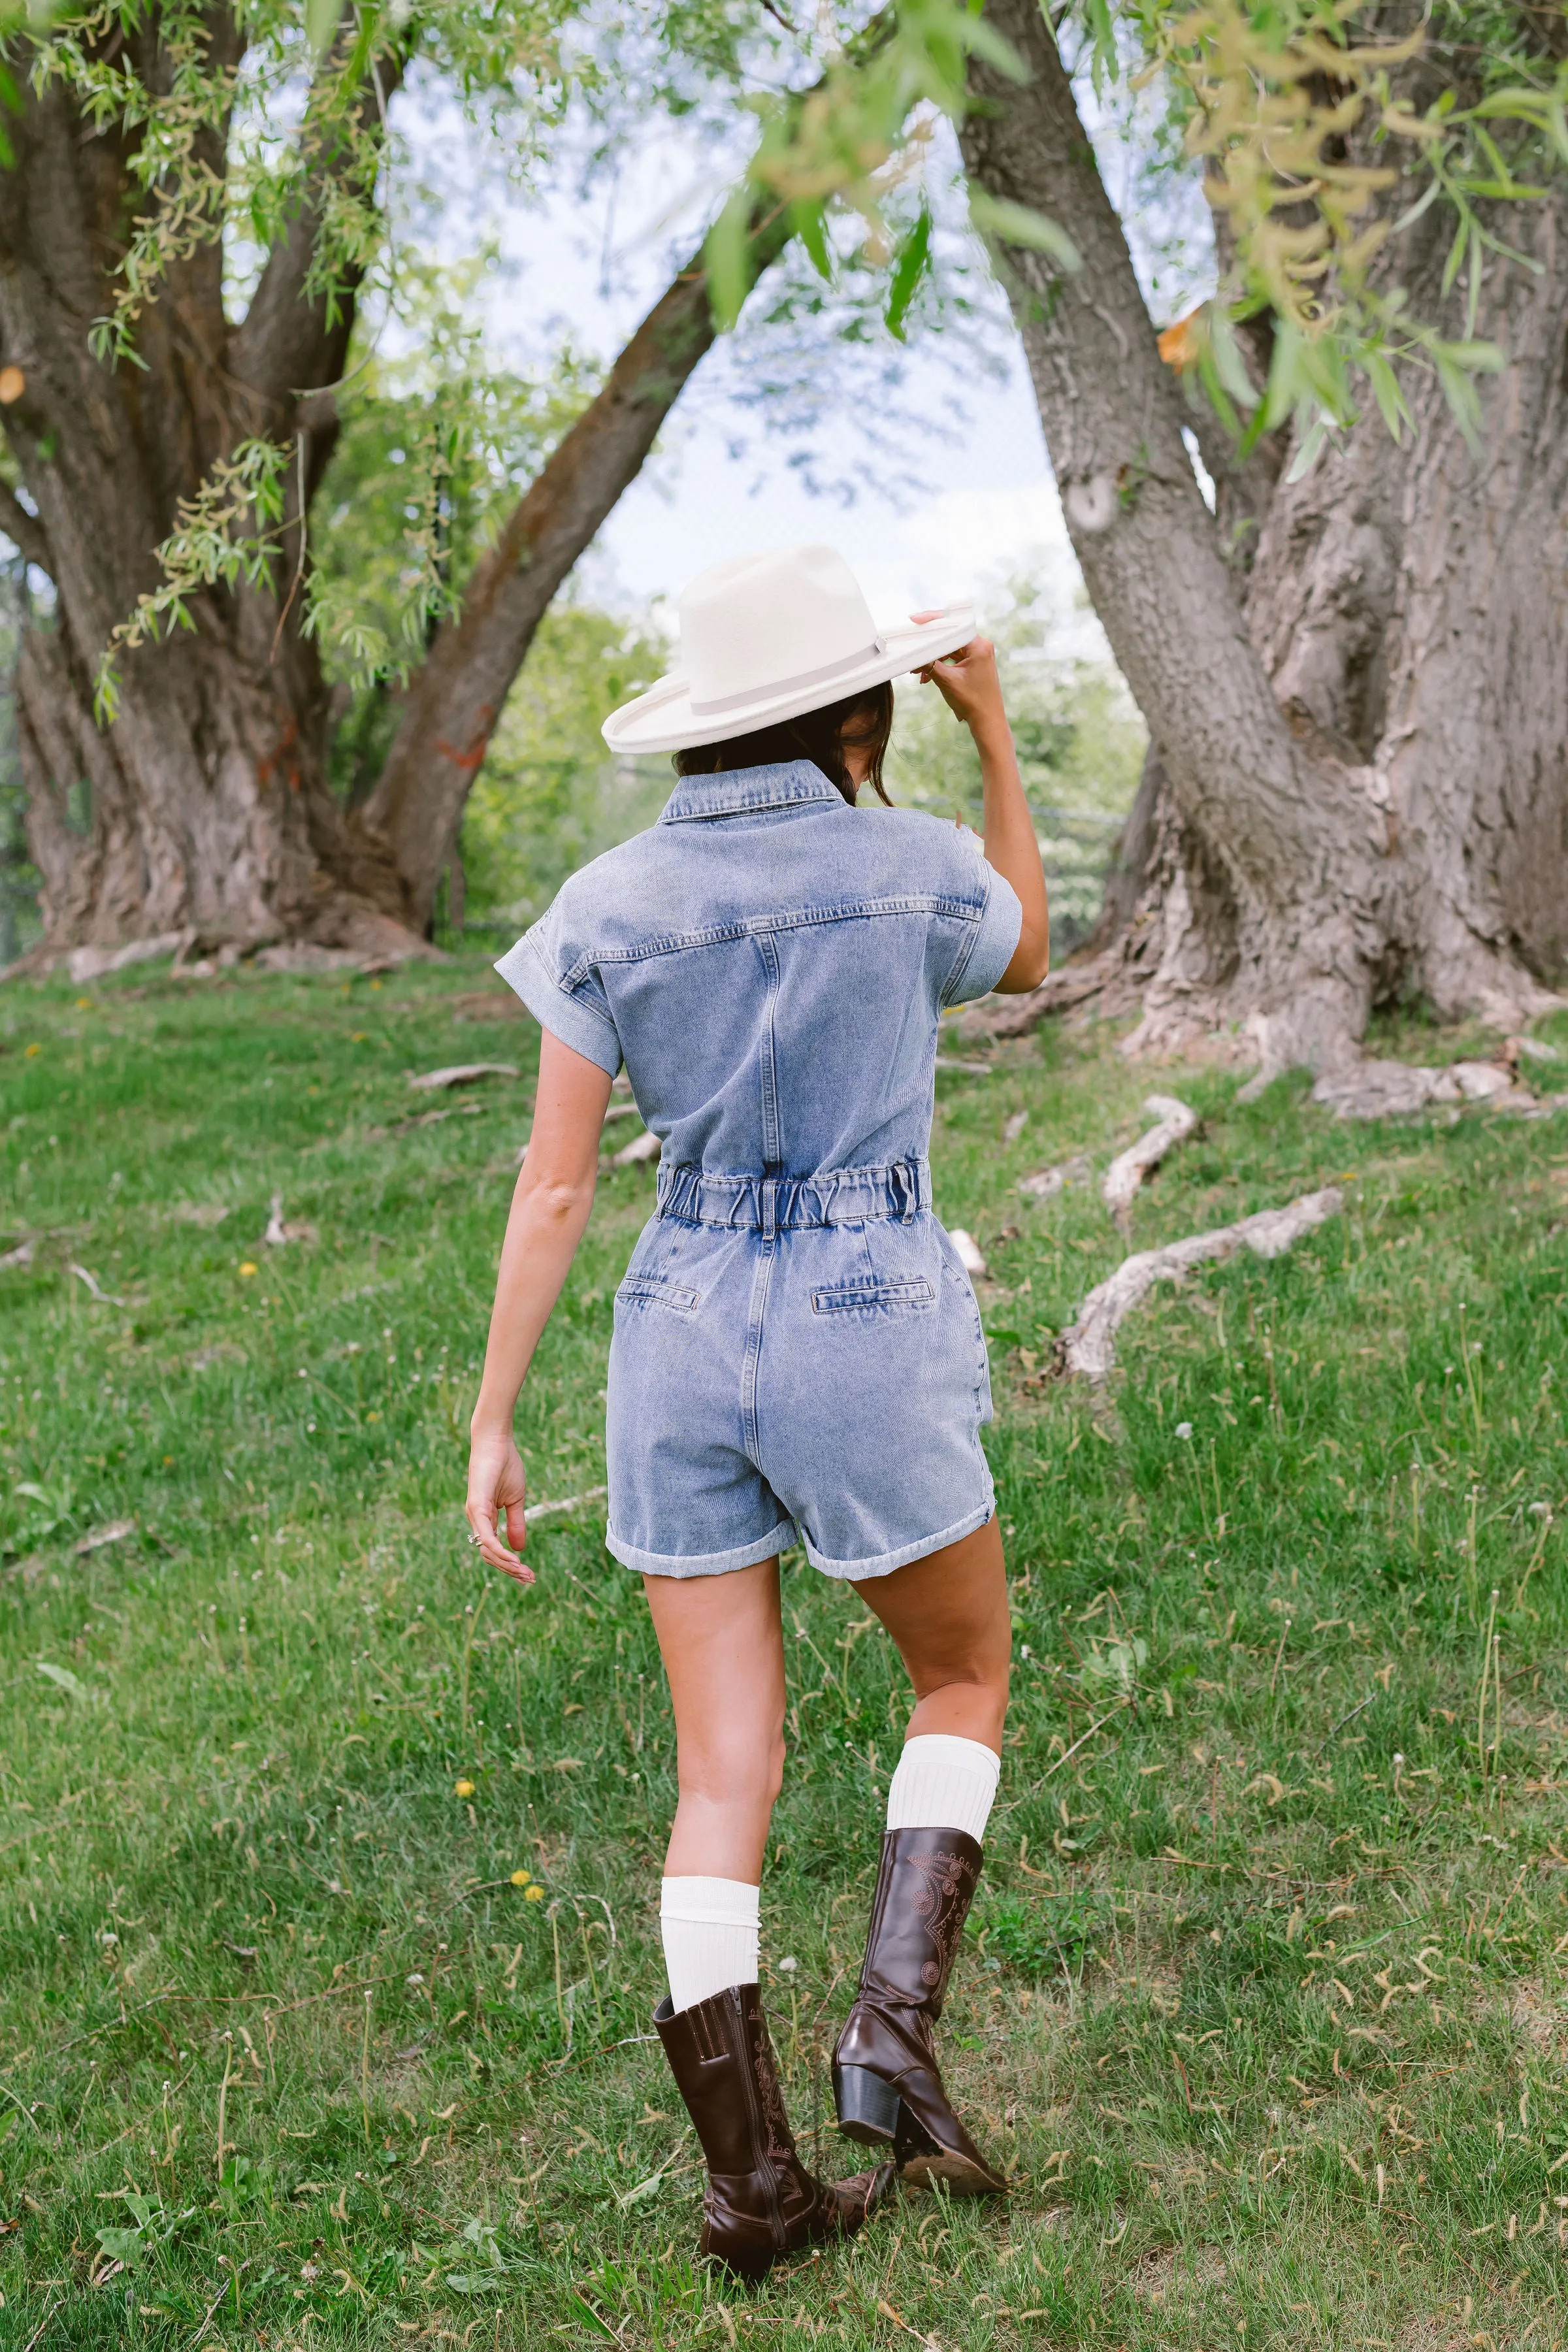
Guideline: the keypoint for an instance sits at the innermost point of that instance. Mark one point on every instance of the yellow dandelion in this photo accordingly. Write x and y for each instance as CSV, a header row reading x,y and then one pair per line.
x,y
359,1037
84,1004
373,1416
247,1268
521,1878
30,1051
465,1788
533,1894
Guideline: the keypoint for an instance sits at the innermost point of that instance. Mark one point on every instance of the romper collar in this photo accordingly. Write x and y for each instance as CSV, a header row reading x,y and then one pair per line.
x,y
743,790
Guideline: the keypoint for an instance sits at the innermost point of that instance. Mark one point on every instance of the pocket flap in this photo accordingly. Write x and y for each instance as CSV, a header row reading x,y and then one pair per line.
x,y
658,1290
916,1294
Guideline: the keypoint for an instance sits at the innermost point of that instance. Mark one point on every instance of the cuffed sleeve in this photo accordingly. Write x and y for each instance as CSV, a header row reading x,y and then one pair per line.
x,y
564,996
991,943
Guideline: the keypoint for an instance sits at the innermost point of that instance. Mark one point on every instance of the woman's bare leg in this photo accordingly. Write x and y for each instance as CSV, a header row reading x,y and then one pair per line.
x,y
948,1615
722,1645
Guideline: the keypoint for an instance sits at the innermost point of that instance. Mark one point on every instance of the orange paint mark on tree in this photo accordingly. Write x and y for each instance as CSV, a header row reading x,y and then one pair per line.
x,y
468,761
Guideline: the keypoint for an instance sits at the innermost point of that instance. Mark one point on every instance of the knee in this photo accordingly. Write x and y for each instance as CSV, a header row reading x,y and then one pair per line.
x,y
748,1772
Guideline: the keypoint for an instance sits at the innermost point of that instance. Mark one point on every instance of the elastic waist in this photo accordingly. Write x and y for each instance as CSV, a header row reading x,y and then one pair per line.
x,y
769,1204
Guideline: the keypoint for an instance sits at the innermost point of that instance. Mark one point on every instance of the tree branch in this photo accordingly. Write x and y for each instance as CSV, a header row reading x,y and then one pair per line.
x,y
288,342
454,702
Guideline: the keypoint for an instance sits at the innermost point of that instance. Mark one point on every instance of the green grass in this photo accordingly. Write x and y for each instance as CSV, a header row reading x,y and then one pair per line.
x,y
1266,2024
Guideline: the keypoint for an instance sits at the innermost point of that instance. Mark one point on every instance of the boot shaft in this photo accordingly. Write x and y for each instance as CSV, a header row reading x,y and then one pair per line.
x,y
924,1887
713,2050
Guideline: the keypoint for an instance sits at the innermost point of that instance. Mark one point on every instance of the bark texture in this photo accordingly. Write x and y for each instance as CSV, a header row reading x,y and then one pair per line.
x,y
204,807
1356,685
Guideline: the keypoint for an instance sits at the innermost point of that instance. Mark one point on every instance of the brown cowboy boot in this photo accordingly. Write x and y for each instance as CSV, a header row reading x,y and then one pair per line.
x,y
760,2202
887,2084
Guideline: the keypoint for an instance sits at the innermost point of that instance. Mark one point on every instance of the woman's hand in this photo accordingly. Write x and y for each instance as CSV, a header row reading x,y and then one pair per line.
x,y
967,682
496,1490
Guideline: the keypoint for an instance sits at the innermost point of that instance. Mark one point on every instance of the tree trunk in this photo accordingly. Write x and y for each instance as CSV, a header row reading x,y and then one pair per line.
x,y
204,807
1356,784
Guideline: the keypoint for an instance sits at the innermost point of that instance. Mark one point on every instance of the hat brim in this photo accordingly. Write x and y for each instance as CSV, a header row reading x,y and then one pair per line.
x,y
662,720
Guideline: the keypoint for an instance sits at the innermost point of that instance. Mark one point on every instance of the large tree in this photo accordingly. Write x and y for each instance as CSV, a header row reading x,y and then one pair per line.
x,y
163,447
1354,671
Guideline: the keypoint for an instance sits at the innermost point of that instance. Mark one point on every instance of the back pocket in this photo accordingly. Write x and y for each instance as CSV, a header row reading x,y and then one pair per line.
x,y
658,1290
913,1297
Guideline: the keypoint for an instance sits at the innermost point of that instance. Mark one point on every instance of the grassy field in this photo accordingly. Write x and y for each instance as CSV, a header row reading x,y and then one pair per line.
x,y
329,1868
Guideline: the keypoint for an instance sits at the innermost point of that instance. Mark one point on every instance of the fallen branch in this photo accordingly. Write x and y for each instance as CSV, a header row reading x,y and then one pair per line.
x,y
1046,1183
1392,1089
1090,1346
462,1073
970,1254
1128,1168
278,1235
642,1146
537,1511
115,1532
1014,1016
104,1297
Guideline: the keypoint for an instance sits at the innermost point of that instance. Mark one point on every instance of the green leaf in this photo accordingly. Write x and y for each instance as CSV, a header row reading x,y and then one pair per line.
x,y
67,1681
321,24
725,257
587,2312
1386,391
912,262
125,2246
1020,225
644,2188
1306,456
809,223
1229,365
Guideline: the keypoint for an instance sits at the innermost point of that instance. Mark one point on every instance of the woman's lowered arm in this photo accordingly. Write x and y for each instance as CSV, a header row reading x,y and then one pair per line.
x,y
549,1211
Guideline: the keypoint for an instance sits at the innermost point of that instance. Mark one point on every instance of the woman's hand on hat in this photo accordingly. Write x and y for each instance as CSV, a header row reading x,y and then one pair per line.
x,y
497,1487
967,680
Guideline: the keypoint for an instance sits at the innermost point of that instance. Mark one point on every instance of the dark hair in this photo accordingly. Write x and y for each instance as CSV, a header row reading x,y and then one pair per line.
x,y
864,720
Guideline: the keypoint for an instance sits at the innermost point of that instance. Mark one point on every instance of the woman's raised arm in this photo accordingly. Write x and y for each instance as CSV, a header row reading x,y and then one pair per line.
x,y
549,1211
969,685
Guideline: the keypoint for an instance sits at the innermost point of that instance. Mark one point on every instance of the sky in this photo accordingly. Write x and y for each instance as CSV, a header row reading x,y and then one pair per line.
x,y
977,500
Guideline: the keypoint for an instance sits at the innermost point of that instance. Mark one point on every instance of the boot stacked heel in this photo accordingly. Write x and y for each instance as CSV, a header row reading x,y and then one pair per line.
x,y
867,2107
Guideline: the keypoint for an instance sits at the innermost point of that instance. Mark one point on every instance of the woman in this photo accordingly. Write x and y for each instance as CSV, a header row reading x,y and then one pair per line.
x,y
797,1352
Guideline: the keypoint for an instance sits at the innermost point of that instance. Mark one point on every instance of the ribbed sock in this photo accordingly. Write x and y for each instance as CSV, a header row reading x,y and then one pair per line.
x,y
709,1927
943,1783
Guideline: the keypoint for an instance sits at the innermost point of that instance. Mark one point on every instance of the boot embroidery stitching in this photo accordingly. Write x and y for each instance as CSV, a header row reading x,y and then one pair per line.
x,y
940,1902
781,2145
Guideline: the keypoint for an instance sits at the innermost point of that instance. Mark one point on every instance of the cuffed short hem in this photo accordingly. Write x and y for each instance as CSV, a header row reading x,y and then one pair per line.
x,y
884,1563
713,1563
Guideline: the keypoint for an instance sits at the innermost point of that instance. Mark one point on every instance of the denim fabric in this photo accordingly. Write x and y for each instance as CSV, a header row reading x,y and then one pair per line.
x,y
797,1344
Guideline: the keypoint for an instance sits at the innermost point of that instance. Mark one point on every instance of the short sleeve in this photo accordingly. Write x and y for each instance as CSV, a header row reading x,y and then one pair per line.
x,y
989,945
562,989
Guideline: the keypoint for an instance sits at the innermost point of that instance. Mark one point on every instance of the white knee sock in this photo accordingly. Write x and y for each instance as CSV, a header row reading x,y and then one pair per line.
x,y
943,1783
709,1927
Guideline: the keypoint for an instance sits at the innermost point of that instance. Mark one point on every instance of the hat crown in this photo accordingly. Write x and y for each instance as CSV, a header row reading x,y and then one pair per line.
x,y
772,619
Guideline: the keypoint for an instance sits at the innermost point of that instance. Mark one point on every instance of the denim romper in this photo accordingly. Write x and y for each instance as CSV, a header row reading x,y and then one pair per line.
x,y
797,1349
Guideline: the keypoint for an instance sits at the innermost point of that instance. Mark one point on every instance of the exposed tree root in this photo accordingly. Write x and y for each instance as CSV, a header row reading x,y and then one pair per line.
x,y
1128,1170
1088,1348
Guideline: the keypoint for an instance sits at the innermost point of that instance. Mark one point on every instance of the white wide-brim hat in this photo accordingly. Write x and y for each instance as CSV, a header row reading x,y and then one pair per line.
x,y
768,637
